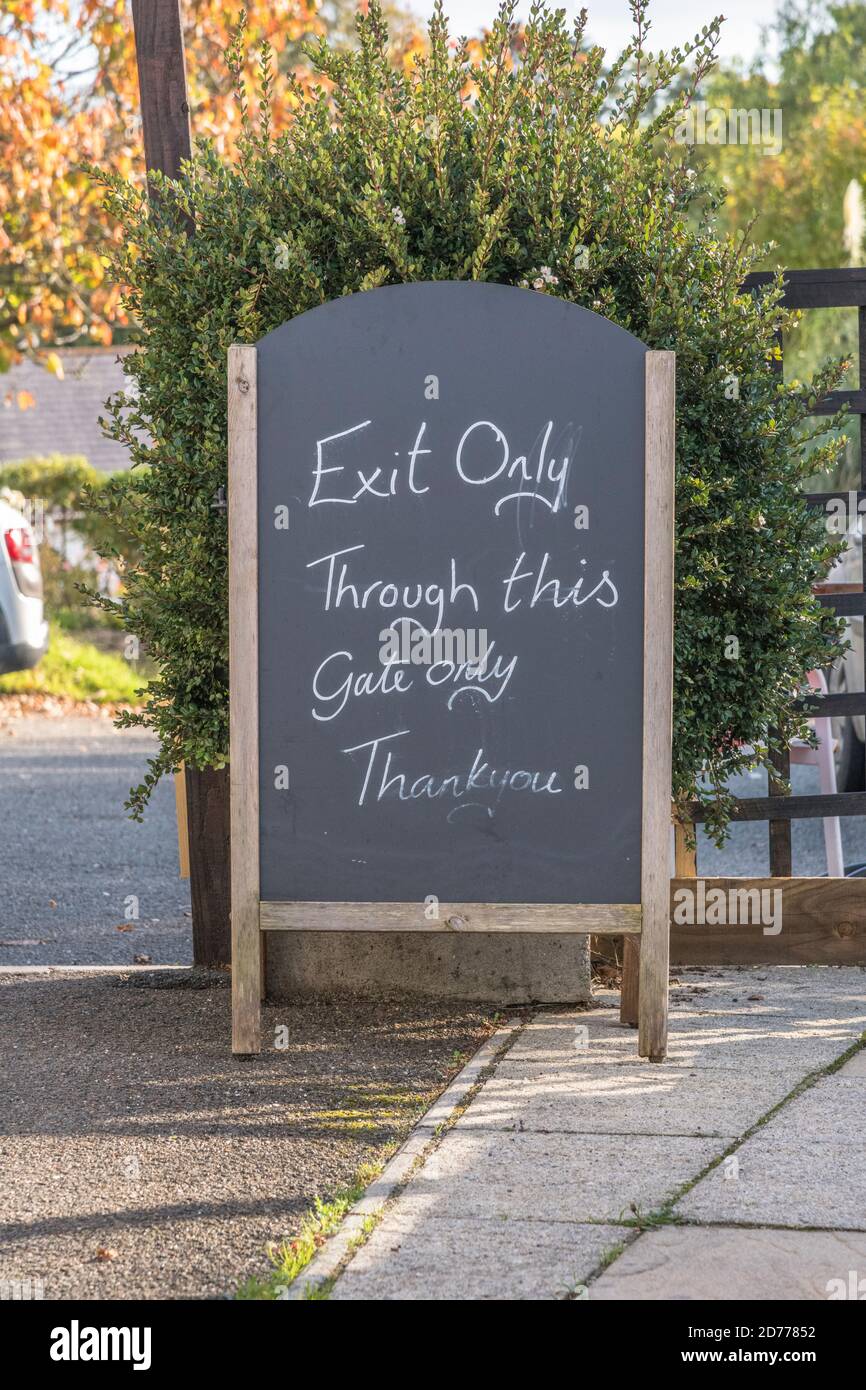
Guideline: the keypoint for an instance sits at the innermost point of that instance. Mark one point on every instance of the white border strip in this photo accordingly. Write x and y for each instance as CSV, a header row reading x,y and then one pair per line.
x,y
325,1264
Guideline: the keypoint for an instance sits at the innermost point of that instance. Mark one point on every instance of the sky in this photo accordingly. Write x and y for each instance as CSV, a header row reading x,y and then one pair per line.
x,y
673,21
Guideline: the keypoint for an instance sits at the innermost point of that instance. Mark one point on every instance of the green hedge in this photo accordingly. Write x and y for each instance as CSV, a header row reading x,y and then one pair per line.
x,y
532,162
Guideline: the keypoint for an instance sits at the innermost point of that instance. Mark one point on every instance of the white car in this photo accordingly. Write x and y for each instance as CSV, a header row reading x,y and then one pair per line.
x,y
23,629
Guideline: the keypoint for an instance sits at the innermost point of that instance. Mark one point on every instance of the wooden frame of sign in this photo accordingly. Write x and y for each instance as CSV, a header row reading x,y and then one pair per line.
x,y
644,925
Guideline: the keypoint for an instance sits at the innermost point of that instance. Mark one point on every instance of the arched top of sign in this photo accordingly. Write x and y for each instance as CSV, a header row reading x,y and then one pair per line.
x,y
503,308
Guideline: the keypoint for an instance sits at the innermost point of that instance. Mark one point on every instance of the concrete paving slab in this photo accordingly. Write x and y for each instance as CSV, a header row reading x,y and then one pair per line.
x,y
792,991
833,1111
780,985
777,977
555,1177
855,1066
696,1042
629,1100
692,1263
784,1183
784,1048
413,1255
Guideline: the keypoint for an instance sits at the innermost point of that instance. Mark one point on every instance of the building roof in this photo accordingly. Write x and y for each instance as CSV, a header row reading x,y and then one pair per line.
x,y
65,418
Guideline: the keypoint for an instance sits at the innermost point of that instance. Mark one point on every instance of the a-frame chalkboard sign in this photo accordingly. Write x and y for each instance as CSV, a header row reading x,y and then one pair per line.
x,y
451,586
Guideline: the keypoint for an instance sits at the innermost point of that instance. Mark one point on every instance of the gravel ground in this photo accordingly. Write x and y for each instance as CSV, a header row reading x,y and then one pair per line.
x,y
72,857
138,1159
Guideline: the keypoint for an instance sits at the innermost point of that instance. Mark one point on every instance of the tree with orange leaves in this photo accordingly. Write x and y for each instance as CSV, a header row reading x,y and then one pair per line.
x,y
68,97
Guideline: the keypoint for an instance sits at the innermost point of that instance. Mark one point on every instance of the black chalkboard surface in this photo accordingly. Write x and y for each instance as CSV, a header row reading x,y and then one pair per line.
x,y
470,457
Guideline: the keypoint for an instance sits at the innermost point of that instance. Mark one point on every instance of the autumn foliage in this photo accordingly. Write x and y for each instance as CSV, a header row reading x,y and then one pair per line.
x,y
69,96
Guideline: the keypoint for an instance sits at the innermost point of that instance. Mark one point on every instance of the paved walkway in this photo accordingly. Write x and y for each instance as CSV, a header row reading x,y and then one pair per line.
x,y
736,1169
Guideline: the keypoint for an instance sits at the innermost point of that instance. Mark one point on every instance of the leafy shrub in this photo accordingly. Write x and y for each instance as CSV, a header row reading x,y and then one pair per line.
x,y
495,162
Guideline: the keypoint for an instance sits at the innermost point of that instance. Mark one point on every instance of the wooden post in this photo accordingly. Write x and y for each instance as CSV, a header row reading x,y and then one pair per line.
x,y
209,864
182,820
781,858
162,84
167,142
685,866
630,984
657,703
779,831
244,704
685,855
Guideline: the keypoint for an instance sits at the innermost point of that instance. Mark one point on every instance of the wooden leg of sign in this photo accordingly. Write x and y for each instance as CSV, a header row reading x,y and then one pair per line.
x,y
630,987
182,821
657,703
207,796
685,866
244,701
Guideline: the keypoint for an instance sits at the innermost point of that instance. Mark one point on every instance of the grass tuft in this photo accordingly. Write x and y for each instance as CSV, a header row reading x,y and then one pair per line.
x,y
79,671
291,1257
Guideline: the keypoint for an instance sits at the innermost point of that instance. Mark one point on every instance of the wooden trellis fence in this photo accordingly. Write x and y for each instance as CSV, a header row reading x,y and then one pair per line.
x,y
823,919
